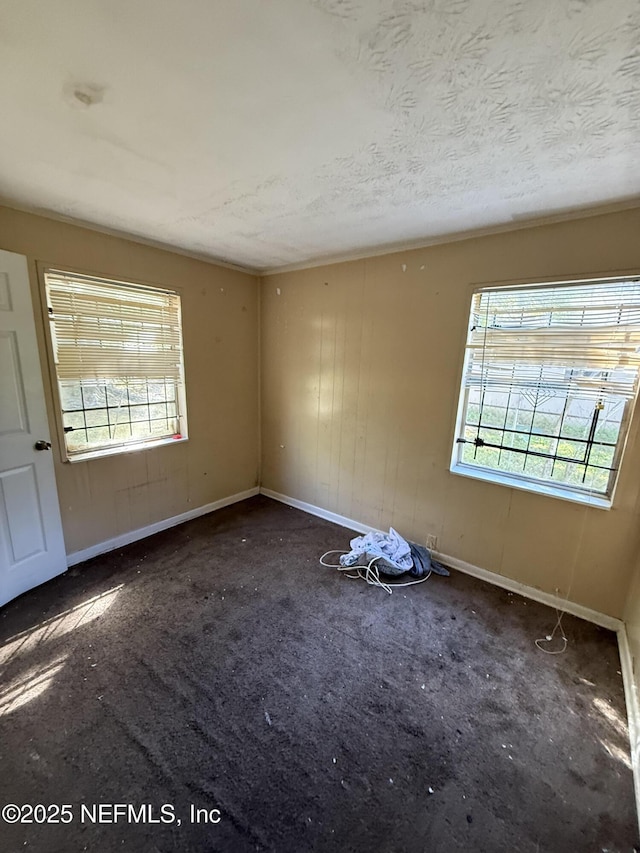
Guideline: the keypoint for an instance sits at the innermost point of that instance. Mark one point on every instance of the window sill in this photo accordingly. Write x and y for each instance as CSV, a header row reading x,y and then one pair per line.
x,y
501,479
123,449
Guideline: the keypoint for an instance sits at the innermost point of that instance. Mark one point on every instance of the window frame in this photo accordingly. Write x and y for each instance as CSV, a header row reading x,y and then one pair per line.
x,y
118,449
524,482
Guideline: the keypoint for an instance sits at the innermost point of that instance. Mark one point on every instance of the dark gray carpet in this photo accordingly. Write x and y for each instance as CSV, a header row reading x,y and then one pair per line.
x,y
217,664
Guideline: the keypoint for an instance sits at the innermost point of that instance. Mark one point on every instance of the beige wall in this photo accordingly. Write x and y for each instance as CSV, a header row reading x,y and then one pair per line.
x,y
360,372
361,366
103,498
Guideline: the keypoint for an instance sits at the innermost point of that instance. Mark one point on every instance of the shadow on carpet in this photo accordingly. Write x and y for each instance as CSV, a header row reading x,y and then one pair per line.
x,y
217,667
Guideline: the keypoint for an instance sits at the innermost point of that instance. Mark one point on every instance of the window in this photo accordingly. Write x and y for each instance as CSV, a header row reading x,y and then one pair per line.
x,y
118,358
548,386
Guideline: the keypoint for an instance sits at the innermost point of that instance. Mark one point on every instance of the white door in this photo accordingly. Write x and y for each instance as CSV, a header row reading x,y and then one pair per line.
x,y
31,542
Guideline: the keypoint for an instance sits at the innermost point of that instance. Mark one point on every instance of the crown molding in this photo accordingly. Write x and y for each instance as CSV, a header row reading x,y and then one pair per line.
x,y
125,235
519,222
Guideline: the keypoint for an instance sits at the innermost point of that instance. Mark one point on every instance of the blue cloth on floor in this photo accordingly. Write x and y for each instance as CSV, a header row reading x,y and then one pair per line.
x,y
422,562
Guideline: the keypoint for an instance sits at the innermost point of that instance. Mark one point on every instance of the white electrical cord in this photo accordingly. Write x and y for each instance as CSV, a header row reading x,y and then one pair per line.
x,y
560,613
549,638
369,573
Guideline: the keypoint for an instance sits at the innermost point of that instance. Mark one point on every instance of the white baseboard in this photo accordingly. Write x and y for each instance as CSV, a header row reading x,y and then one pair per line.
x,y
156,527
483,574
531,592
633,708
341,520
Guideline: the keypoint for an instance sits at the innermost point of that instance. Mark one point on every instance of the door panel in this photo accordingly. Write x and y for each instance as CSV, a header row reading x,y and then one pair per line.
x,y
31,541
5,293
21,513
13,414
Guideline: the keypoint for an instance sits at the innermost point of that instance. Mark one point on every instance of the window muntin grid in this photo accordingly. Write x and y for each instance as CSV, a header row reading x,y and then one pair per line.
x,y
550,438
115,412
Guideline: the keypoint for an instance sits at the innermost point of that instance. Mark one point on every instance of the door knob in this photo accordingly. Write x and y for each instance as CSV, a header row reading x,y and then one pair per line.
x,y
43,445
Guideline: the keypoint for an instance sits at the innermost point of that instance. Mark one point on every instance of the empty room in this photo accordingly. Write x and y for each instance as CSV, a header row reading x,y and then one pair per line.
x,y
319,441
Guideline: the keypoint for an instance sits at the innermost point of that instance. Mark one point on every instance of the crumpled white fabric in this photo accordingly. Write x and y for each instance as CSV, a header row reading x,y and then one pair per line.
x,y
390,546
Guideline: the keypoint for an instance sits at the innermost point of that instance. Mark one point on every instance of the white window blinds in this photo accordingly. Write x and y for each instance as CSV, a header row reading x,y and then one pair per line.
x,y
578,339
106,330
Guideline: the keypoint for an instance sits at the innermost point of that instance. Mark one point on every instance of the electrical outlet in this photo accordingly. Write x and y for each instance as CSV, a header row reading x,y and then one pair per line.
x,y
432,542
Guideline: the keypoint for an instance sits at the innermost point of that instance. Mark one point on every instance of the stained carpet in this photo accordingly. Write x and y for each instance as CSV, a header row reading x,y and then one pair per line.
x,y
217,666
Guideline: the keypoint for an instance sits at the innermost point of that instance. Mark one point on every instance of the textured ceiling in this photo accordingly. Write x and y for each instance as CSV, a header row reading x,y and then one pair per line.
x,y
275,132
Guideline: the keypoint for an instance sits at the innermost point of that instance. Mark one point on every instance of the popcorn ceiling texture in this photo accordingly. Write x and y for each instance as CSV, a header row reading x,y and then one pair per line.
x,y
273,134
